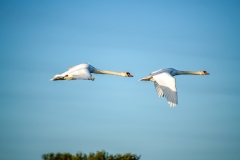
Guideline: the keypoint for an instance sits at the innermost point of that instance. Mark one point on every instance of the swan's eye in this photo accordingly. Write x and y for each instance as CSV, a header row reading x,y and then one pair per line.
x,y
205,72
129,74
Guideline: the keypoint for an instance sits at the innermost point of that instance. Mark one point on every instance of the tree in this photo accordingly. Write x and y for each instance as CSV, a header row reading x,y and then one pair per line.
x,y
100,155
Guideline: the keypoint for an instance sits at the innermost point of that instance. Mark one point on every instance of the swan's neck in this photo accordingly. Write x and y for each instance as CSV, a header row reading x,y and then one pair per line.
x,y
187,72
97,71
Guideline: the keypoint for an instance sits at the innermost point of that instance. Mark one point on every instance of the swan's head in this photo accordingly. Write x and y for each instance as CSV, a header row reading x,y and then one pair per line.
x,y
204,73
127,74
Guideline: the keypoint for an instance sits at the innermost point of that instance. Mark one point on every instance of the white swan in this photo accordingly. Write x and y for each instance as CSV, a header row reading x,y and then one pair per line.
x,y
83,72
165,84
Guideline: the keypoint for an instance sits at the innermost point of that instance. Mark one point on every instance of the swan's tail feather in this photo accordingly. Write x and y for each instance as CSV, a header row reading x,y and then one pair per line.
x,y
146,78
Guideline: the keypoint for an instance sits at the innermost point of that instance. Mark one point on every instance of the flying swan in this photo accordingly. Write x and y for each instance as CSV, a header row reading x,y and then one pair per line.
x,y
165,84
83,72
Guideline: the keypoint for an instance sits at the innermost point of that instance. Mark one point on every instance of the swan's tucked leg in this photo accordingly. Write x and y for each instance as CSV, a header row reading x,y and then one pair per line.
x,y
57,78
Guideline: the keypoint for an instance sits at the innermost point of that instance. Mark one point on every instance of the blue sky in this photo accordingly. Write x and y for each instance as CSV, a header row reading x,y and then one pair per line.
x,y
118,114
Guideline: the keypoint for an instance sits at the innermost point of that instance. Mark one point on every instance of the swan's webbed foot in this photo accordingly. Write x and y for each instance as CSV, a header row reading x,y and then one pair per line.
x,y
58,78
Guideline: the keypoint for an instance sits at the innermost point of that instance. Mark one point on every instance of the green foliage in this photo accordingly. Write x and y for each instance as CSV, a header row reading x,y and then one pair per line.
x,y
100,155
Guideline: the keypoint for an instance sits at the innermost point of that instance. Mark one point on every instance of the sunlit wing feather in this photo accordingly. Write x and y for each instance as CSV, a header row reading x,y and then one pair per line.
x,y
81,74
79,66
167,84
158,89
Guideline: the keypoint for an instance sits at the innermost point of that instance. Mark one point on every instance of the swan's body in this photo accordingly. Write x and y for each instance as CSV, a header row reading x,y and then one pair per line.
x,y
165,84
83,72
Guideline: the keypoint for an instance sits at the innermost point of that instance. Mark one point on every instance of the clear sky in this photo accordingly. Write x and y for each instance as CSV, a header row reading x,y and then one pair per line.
x,y
117,114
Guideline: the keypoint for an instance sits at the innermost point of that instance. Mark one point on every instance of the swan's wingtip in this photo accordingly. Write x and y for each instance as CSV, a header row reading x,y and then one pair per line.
x,y
172,105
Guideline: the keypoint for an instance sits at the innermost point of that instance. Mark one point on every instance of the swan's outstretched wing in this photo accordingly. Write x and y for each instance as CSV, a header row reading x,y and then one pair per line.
x,y
166,86
80,72
158,89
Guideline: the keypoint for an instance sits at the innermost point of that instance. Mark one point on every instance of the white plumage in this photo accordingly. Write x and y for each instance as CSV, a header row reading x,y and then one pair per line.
x,y
83,72
165,83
